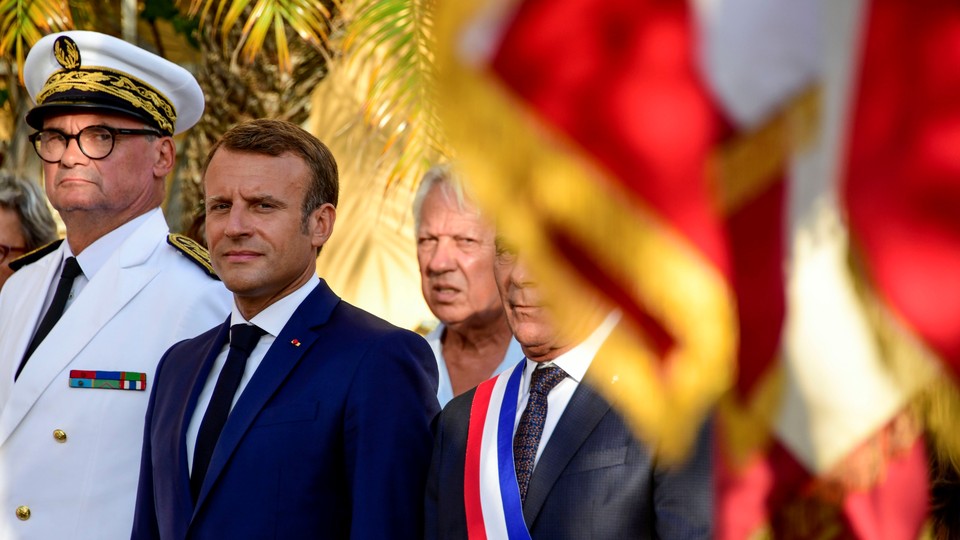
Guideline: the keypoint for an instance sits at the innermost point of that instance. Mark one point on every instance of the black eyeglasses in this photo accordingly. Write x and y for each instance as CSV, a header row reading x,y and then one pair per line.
x,y
6,250
96,142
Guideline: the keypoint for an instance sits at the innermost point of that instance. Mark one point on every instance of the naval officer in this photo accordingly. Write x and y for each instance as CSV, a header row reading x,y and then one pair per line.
x,y
83,322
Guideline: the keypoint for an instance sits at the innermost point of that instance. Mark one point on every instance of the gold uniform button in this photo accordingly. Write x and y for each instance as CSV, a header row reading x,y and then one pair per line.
x,y
23,513
60,435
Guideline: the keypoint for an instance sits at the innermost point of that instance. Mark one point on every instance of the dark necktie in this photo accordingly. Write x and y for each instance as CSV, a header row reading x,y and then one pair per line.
x,y
527,438
71,269
243,339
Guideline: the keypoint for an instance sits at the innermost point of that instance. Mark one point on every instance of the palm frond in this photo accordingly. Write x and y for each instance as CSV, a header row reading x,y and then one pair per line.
x,y
309,19
26,22
396,37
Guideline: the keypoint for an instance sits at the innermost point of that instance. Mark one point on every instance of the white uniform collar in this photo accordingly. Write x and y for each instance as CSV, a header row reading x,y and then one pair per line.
x,y
99,252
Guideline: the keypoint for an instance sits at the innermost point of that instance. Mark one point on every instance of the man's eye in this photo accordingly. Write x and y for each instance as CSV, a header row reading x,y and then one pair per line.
x,y
506,257
505,251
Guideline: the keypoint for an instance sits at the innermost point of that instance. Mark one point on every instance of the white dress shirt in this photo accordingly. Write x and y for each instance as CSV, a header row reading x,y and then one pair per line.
x,y
575,363
271,320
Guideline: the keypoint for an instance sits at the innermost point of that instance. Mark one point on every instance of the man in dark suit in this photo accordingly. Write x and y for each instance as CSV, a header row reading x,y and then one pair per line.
x,y
533,453
323,431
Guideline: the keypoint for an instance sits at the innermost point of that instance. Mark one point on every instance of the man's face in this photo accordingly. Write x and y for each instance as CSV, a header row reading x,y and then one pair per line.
x,y
123,185
455,249
259,244
11,235
528,314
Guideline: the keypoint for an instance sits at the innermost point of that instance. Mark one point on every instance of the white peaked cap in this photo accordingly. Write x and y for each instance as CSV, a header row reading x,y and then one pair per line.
x,y
76,70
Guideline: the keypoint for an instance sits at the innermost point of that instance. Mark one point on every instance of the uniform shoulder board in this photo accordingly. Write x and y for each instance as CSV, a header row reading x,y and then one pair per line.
x,y
35,255
194,251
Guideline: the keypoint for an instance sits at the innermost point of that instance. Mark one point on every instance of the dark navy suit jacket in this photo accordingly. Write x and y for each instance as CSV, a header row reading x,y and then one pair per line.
x,y
329,439
594,480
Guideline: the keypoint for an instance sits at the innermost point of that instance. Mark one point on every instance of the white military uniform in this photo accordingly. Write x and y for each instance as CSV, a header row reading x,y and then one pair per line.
x,y
71,455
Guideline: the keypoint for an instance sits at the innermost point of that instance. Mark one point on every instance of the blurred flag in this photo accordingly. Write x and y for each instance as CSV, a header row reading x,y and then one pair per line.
x,y
847,459
586,125
646,152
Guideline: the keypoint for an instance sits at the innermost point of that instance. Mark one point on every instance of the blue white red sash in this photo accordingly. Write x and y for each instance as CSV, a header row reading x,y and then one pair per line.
x,y
490,493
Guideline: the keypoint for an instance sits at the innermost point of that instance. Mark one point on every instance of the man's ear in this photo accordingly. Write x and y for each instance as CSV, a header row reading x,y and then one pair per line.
x,y
321,224
165,158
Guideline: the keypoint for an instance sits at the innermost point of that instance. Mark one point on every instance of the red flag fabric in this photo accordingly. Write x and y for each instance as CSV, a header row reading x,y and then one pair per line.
x,y
588,130
591,132
876,493
619,77
902,192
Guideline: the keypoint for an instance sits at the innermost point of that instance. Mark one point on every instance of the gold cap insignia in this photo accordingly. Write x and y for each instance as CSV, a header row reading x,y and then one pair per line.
x,y
66,52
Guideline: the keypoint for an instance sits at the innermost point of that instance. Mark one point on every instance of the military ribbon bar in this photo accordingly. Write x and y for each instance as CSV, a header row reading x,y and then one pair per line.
x,y
112,380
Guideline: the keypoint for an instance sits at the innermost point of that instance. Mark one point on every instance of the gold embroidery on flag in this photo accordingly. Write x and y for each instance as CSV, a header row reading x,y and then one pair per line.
x,y
745,166
746,425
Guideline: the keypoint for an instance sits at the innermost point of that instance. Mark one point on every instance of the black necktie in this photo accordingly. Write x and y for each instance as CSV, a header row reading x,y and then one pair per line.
x,y
530,428
243,339
71,269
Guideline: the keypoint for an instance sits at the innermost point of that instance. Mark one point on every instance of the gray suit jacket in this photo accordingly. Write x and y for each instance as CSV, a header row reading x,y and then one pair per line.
x,y
594,480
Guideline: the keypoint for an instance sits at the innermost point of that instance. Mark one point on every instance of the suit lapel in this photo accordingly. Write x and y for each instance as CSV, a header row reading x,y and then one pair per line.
x,y
296,338
578,420
27,309
195,382
121,278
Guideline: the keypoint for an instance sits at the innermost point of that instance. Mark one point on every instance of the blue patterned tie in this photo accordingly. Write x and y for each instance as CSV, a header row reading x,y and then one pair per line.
x,y
527,438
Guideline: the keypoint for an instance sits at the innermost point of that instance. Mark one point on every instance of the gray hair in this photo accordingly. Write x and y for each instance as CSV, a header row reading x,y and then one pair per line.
x,y
444,176
26,199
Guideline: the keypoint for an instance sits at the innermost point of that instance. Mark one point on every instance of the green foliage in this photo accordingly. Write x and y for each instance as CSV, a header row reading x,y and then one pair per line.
x,y
23,22
307,19
183,24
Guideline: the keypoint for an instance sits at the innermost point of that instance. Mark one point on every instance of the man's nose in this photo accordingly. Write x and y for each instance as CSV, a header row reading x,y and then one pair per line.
x,y
72,154
520,275
238,223
442,259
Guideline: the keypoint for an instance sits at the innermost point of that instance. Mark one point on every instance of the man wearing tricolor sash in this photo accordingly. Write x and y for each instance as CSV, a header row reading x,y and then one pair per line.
x,y
532,453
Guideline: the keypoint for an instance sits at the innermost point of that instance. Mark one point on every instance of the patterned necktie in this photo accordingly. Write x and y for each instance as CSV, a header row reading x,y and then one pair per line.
x,y
71,270
243,339
527,438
